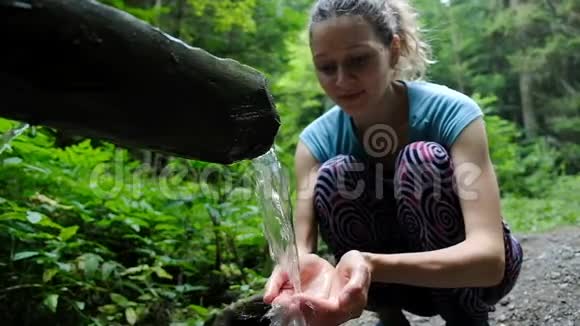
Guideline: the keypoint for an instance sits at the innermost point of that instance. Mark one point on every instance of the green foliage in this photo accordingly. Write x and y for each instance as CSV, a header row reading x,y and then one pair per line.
x,y
299,97
523,167
148,14
227,14
99,238
558,207
538,38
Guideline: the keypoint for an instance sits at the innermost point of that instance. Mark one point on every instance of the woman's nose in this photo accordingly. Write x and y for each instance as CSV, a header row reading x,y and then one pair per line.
x,y
343,77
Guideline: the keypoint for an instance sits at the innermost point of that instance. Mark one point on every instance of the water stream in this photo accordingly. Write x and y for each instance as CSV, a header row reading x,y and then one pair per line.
x,y
274,194
9,135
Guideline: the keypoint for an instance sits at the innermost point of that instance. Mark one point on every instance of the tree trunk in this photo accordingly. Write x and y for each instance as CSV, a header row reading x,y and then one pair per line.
x,y
528,111
179,17
95,71
530,120
455,43
157,6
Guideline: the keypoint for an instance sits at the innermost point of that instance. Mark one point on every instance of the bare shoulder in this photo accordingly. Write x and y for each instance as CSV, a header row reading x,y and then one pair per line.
x,y
472,143
304,161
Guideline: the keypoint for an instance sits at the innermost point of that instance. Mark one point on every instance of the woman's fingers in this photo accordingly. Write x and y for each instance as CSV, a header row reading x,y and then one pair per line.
x,y
356,288
311,305
319,311
274,285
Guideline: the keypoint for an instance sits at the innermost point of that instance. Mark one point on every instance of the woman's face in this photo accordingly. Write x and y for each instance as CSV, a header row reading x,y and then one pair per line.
x,y
352,64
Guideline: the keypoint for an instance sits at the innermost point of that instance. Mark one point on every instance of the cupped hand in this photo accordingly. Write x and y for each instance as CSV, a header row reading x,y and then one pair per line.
x,y
347,296
316,276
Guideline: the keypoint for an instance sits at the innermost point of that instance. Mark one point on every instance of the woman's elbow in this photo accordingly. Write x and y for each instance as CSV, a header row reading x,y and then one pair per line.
x,y
489,260
494,268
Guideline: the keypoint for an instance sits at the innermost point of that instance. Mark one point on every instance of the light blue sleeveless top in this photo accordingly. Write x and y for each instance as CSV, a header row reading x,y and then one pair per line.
x,y
436,113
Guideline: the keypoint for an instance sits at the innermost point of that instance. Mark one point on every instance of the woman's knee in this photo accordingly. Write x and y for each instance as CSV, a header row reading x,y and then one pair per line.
x,y
343,175
428,207
422,166
345,223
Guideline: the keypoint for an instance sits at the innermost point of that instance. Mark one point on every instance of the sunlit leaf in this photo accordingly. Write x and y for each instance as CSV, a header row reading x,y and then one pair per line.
x,y
49,274
162,273
135,269
106,269
80,305
33,217
145,297
202,311
133,223
66,267
24,254
190,288
119,299
89,263
142,277
12,161
68,232
108,309
51,301
131,316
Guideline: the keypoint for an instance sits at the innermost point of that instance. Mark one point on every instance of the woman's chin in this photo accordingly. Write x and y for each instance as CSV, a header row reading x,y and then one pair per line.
x,y
353,105
352,109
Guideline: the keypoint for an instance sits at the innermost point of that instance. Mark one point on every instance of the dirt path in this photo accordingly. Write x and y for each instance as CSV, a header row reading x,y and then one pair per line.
x,y
547,293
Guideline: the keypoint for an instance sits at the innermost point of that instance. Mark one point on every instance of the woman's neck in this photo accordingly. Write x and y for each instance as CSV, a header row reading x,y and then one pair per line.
x,y
391,110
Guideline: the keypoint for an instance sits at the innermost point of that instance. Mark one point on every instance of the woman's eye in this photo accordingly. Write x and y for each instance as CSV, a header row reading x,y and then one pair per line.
x,y
327,69
359,61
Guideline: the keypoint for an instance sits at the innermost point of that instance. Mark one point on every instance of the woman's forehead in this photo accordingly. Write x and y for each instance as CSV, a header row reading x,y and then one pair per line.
x,y
341,34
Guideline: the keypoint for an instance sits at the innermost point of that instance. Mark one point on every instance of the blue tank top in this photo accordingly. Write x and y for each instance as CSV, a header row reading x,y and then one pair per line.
x,y
436,113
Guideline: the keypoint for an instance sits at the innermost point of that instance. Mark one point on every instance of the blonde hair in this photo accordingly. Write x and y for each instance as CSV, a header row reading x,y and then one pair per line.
x,y
388,17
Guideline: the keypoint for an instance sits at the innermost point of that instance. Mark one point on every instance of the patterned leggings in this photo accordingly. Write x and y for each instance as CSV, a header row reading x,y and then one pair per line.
x,y
417,211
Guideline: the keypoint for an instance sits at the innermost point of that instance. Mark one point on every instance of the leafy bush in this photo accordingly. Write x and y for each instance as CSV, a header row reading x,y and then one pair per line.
x,y
560,206
95,237
523,167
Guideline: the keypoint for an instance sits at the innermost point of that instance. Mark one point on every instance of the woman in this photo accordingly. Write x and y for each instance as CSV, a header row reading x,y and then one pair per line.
x,y
398,179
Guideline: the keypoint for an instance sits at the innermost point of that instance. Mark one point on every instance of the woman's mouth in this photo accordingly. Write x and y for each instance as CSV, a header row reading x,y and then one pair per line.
x,y
351,96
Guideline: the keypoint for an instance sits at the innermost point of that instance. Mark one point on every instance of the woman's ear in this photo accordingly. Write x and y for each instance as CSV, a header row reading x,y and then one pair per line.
x,y
395,50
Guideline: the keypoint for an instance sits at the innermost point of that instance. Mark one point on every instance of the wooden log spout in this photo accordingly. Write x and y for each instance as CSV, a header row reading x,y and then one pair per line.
x,y
96,71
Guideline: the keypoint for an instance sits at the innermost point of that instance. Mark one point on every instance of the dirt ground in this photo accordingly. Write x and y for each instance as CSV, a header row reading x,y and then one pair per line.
x,y
547,292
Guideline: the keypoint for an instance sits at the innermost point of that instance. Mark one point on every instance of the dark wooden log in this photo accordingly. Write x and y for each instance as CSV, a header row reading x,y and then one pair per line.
x,y
96,71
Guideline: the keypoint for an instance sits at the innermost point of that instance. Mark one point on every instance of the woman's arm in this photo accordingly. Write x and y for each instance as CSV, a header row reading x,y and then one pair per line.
x,y
306,168
479,260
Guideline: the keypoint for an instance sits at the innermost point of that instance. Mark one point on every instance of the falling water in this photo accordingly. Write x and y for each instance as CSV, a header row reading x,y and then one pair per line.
x,y
273,191
10,135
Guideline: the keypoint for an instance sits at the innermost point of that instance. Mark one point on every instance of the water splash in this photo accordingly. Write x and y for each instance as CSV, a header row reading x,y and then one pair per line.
x,y
10,135
274,194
